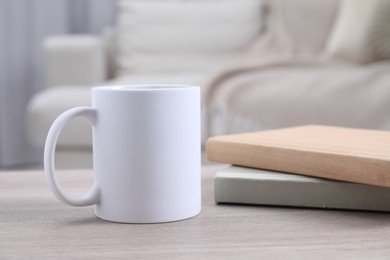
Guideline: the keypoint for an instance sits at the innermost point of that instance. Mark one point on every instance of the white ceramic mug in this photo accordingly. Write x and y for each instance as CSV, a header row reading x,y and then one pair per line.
x,y
146,153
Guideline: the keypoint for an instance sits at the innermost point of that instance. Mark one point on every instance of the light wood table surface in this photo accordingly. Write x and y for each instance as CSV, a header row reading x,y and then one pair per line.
x,y
35,225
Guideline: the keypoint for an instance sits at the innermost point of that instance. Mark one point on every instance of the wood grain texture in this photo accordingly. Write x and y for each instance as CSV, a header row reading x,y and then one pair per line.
x,y
347,154
35,225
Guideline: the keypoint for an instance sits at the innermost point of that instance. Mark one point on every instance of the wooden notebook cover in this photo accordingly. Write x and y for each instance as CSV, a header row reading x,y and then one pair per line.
x,y
347,154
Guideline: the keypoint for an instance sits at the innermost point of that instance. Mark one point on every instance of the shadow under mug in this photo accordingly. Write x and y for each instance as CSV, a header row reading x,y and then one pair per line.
x,y
146,153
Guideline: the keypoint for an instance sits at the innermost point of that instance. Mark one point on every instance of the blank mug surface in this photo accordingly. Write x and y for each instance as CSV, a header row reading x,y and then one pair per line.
x,y
146,153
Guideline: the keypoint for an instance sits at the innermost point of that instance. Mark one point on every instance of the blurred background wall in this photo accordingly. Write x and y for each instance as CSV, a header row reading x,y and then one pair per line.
x,y
23,26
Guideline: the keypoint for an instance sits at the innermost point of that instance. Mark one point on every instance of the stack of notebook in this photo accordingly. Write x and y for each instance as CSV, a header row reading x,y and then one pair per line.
x,y
307,166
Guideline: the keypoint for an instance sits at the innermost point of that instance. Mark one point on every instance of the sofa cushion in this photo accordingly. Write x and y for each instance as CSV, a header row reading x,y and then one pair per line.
x,y
47,105
176,35
184,78
361,26
300,26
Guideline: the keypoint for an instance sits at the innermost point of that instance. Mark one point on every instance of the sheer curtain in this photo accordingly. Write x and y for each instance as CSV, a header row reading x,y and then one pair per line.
x,y
23,26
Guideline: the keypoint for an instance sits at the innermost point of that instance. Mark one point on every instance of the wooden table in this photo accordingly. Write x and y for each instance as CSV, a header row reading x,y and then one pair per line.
x,y
35,225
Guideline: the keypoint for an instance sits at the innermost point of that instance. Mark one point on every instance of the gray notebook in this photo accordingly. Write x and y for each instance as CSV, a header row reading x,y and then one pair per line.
x,y
253,186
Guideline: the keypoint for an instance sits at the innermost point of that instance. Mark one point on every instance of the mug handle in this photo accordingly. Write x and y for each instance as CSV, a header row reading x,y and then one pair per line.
x,y
92,196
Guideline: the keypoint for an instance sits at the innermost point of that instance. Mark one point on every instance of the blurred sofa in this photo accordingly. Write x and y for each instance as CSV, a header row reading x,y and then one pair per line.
x,y
319,62
151,42
260,64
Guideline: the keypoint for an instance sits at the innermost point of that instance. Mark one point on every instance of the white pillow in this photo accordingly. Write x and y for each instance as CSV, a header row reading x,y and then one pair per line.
x,y
350,38
177,35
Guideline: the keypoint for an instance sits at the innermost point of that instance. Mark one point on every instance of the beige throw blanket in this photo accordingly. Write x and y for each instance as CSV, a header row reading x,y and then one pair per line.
x,y
287,91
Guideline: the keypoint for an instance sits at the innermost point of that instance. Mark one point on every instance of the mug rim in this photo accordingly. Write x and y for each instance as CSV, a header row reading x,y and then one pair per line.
x,y
145,87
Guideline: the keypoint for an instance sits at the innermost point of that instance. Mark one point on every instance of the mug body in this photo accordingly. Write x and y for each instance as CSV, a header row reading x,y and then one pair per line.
x,y
146,152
